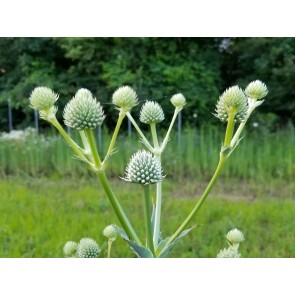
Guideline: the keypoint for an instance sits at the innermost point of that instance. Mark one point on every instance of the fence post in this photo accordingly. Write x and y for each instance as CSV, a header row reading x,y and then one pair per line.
x,y
129,127
9,115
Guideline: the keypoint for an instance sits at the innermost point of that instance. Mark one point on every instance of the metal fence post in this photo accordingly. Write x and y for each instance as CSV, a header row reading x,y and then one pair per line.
x,y
99,136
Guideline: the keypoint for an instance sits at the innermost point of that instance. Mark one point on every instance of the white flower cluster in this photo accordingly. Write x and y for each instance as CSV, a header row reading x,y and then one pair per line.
x,y
83,111
144,169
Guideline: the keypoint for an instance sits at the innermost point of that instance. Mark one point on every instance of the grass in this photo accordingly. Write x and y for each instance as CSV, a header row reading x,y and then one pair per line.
x,y
37,216
262,156
47,198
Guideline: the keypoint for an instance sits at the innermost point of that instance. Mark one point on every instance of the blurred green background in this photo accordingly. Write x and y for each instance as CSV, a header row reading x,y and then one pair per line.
x,y
48,198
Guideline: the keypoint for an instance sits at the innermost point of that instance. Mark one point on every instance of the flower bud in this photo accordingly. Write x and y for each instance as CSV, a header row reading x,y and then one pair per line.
x,y
125,98
151,113
83,111
144,169
87,248
178,100
232,100
229,253
110,232
235,236
70,248
42,98
256,90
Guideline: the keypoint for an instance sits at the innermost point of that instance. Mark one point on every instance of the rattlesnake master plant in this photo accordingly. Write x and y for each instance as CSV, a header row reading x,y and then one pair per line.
x,y
84,113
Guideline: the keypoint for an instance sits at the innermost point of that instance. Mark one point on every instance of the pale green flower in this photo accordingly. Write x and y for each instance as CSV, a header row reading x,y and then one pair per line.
x,y
70,248
232,99
144,168
235,236
42,98
178,100
151,113
88,248
83,111
256,90
125,98
110,232
229,253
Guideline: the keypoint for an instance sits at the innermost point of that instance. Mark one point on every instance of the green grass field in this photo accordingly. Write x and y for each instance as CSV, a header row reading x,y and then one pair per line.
x,y
37,216
47,198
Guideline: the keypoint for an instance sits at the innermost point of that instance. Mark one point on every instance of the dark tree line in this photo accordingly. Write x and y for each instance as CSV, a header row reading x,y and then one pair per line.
x,y
200,68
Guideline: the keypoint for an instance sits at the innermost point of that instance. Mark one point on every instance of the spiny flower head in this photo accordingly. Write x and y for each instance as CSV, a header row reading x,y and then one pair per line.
x,y
83,111
233,99
70,248
144,169
125,98
87,248
178,100
42,98
256,90
229,253
110,232
235,236
151,113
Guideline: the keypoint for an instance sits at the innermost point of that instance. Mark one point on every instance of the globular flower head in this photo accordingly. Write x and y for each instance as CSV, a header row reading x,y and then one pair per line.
x,y
125,98
256,90
70,248
144,169
235,236
42,98
229,253
88,248
232,100
110,232
178,100
83,111
151,113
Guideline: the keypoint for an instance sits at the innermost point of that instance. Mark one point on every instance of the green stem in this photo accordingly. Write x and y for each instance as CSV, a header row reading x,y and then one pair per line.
x,y
68,139
241,127
115,134
87,150
93,148
110,242
199,204
117,208
165,141
144,140
157,223
230,128
148,224
154,135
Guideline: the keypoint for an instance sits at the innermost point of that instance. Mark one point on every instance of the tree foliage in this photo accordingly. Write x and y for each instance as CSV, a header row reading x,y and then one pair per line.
x,y
157,68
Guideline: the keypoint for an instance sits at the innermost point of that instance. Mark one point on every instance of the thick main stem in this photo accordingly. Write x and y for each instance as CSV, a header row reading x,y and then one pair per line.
x,y
148,222
117,208
157,222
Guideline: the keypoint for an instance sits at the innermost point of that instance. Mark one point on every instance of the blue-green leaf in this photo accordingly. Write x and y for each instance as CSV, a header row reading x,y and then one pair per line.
x,y
165,253
140,251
